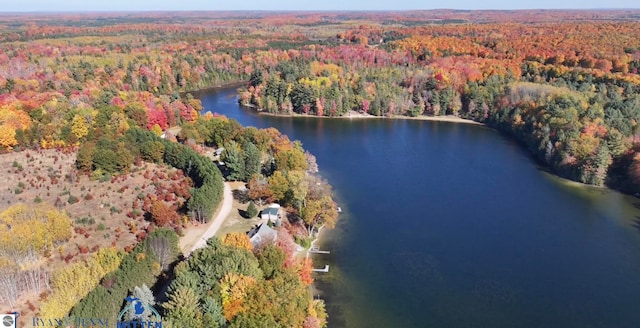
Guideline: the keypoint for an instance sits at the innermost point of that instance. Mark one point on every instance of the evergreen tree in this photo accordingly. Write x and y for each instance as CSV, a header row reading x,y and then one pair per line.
x,y
234,161
252,211
251,160
212,313
200,205
143,295
271,259
182,308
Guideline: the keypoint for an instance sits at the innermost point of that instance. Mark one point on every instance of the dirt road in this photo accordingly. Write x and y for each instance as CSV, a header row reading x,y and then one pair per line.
x,y
227,205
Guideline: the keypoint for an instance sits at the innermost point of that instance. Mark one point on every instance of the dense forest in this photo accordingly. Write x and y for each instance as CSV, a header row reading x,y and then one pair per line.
x,y
564,83
572,99
109,88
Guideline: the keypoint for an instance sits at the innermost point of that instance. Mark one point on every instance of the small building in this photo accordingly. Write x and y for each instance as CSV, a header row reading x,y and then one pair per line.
x,y
262,235
271,214
218,151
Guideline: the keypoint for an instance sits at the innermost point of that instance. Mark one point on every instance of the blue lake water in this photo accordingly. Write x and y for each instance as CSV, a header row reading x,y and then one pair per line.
x,y
453,225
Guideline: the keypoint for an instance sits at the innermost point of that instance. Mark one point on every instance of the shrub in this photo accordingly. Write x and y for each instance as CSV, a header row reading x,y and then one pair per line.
x,y
72,199
104,178
303,241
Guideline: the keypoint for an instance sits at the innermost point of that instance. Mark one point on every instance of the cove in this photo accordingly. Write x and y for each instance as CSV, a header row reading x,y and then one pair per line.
x,y
453,225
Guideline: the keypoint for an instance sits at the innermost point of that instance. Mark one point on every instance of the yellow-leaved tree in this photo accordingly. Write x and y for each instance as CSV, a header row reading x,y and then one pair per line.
x,y
118,123
71,283
79,126
238,239
40,228
157,130
233,290
7,136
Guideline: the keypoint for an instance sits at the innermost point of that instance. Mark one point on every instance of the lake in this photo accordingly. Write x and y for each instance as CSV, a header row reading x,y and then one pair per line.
x,y
454,225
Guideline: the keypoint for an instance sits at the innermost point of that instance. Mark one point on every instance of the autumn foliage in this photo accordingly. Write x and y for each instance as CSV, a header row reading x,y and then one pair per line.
x,y
72,283
564,83
162,215
238,239
40,229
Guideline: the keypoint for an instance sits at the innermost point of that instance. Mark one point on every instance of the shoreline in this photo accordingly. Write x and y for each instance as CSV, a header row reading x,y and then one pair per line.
x,y
350,115
312,287
357,115
214,88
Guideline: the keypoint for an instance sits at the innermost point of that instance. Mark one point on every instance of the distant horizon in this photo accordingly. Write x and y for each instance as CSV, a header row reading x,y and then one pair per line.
x,y
77,6
125,11
318,10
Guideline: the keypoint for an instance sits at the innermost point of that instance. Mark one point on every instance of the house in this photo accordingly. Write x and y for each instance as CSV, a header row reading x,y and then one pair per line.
x,y
262,235
272,214
218,151
269,213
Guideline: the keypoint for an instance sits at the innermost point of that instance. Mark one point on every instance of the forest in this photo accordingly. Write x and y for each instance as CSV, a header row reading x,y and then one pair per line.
x,y
108,89
563,83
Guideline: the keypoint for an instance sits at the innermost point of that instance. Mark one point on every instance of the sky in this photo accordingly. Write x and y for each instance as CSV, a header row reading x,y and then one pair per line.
x,y
172,5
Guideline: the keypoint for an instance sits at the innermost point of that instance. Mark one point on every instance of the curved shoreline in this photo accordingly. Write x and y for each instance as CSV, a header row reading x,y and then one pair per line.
x,y
350,115
214,88
357,115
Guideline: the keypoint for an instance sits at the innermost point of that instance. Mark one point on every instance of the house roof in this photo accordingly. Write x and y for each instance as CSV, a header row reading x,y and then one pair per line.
x,y
263,234
270,211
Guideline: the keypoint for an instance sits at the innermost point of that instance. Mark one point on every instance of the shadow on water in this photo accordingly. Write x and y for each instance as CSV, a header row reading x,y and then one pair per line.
x,y
332,300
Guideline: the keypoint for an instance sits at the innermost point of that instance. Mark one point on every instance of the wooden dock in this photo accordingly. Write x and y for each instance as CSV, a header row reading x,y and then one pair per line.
x,y
325,269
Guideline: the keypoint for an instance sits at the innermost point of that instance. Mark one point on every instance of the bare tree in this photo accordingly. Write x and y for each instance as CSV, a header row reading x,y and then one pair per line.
x,y
9,285
312,165
35,280
162,249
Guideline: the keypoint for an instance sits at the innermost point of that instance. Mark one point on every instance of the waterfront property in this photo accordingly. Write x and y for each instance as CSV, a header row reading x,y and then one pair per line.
x,y
271,214
262,234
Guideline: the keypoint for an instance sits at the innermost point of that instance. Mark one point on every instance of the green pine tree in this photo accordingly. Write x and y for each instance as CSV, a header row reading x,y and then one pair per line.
x,y
252,211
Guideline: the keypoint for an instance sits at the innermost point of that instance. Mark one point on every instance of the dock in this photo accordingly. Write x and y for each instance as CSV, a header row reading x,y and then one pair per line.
x,y
316,250
325,269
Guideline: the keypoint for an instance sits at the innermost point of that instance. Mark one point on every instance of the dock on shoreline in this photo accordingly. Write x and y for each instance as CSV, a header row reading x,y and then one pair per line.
x,y
324,270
